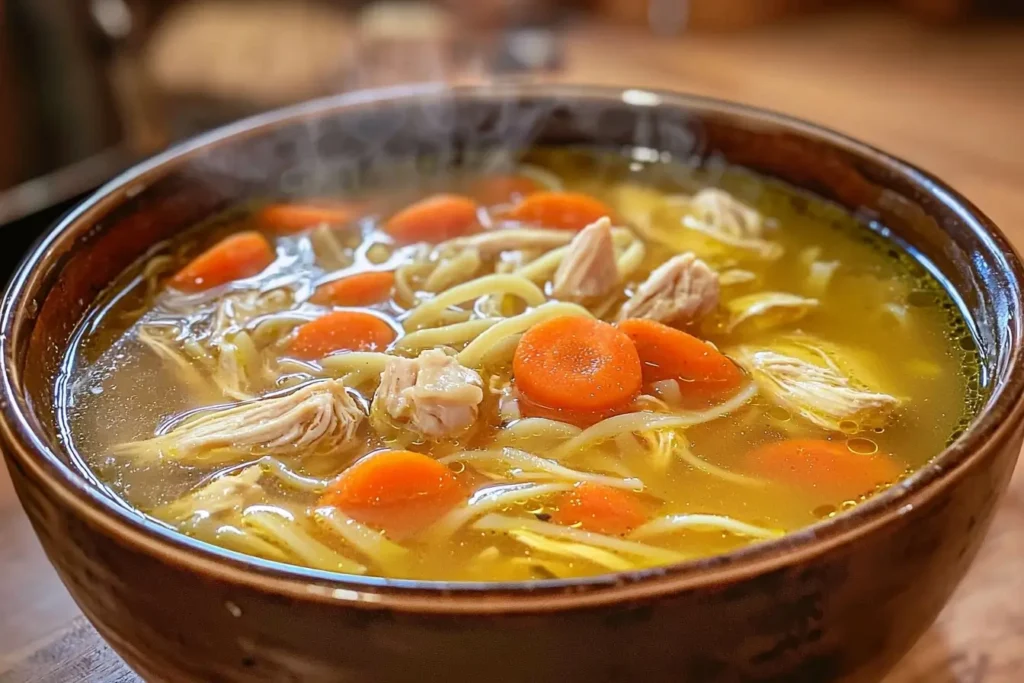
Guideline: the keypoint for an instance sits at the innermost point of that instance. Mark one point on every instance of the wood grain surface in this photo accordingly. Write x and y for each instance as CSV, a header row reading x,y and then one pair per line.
x,y
950,101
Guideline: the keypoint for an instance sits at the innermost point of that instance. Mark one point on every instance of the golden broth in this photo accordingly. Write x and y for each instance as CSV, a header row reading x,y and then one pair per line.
x,y
896,328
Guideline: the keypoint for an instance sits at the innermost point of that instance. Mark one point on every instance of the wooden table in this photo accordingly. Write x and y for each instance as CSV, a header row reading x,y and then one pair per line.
x,y
950,102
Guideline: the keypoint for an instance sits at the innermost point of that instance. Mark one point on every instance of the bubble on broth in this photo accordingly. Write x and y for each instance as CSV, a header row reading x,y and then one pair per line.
x,y
849,427
862,446
379,253
825,511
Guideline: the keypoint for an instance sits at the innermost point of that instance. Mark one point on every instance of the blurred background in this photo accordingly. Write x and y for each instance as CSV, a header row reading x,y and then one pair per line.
x,y
89,86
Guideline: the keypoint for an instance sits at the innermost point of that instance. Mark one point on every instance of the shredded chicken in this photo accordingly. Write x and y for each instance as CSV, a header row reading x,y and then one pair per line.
x,y
727,215
213,319
588,268
316,414
433,395
816,389
156,340
766,310
225,493
820,275
682,289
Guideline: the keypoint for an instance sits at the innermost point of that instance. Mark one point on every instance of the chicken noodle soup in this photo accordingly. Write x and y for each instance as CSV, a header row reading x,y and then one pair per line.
x,y
584,365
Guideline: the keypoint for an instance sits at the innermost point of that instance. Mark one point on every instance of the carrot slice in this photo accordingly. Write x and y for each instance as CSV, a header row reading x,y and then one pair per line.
x,y
238,256
361,289
434,219
400,492
286,219
828,467
577,364
561,210
340,331
503,189
601,509
668,353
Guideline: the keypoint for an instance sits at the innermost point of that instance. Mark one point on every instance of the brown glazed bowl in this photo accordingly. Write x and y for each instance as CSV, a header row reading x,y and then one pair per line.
x,y
839,601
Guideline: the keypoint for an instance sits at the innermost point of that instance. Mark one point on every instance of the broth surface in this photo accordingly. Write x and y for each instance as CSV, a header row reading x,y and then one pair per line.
x,y
697,475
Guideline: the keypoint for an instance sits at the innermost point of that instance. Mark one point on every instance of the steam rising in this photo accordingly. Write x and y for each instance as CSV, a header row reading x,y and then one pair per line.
x,y
405,138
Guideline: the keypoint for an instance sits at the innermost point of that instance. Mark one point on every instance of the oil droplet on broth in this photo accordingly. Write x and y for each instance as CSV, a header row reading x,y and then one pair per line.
x,y
862,446
849,427
378,253
825,511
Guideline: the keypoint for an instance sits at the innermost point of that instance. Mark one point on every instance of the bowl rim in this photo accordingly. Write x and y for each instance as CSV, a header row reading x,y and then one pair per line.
x,y
1000,414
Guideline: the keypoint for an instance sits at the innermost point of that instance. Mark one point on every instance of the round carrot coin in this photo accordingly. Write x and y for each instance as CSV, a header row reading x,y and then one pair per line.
x,y
341,331
400,492
576,363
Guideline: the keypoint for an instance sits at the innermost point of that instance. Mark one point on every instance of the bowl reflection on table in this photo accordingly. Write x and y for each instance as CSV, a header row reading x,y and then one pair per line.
x,y
842,600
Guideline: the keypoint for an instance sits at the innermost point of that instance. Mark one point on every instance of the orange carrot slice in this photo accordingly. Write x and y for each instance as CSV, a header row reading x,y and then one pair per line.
x,y
503,189
828,467
560,210
601,509
340,331
577,364
360,289
400,492
434,219
238,256
286,219
668,353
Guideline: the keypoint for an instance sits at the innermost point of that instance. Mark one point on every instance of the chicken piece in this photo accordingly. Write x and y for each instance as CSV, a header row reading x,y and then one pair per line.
x,y
588,268
681,290
767,310
819,276
432,395
231,492
805,380
727,215
214,319
319,415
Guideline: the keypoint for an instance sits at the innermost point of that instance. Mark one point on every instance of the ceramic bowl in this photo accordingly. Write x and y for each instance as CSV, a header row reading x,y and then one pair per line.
x,y
841,600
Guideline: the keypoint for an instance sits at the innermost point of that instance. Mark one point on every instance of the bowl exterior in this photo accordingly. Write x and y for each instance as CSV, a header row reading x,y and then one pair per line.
x,y
847,614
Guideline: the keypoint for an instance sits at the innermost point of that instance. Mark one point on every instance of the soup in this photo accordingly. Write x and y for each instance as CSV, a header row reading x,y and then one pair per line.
x,y
587,364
